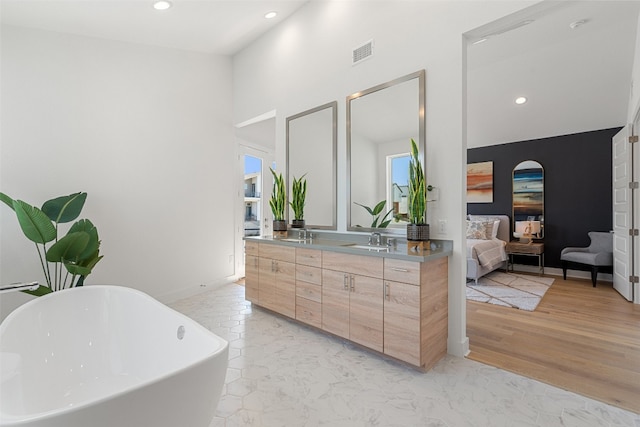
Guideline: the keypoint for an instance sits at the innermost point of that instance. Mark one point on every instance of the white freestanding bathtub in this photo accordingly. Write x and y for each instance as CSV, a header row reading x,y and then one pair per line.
x,y
107,356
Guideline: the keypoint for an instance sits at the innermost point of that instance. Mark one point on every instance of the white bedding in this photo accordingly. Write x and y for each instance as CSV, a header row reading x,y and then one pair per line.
x,y
489,253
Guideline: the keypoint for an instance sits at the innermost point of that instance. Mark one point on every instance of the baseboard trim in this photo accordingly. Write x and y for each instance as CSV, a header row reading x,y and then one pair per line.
x,y
552,271
459,349
187,292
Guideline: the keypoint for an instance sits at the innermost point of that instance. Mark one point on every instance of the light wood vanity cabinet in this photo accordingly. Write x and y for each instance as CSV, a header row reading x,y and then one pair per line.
x,y
352,304
251,269
416,310
309,286
394,306
276,279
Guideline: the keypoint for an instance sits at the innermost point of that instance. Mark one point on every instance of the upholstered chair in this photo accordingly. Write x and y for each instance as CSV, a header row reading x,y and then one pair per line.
x,y
597,255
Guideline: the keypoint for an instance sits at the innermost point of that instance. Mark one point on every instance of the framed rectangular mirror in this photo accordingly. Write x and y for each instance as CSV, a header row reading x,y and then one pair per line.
x,y
311,151
381,121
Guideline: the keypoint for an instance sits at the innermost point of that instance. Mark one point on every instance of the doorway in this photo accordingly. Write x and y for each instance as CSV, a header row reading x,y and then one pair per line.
x,y
255,147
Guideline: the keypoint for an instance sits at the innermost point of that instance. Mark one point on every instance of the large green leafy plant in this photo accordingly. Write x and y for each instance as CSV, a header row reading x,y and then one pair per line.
x,y
77,252
417,199
278,196
376,213
298,196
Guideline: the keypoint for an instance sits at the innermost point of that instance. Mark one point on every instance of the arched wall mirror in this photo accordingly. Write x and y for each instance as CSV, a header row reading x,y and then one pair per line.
x,y
311,151
381,121
528,200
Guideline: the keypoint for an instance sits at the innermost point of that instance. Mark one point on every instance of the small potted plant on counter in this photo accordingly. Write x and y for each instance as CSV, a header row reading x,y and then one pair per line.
x,y
278,202
417,229
298,196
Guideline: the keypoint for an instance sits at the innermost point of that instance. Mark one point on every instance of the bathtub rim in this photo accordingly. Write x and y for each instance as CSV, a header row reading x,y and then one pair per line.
x,y
26,418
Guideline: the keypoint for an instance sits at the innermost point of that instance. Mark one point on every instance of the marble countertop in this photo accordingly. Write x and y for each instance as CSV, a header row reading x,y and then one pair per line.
x,y
357,245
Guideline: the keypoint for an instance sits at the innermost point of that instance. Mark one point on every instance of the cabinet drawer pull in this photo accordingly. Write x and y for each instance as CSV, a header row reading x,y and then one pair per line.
x,y
353,287
346,283
402,270
387,292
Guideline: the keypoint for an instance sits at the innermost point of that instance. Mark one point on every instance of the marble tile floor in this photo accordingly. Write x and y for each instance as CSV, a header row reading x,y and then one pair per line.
x,y
285,374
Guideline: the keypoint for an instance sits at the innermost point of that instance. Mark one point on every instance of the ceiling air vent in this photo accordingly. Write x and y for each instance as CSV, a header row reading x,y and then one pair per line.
x,y
362,52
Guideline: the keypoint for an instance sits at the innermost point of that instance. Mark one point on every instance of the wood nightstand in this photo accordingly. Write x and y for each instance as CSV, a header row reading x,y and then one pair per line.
x,y
527,249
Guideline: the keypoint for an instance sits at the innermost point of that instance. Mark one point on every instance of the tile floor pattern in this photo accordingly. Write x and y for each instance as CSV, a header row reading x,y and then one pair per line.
x,y
285,374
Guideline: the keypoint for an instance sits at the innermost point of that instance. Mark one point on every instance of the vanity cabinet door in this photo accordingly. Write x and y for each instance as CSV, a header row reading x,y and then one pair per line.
x,y
402,321
366,311
285,292
277,279
335,302
267,283
352,307
251,279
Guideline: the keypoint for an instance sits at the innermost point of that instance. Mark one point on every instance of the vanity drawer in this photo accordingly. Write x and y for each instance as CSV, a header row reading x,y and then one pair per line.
x,y
311,257
402,271
356,264
251,248
309,291
309,312
309,274
280,253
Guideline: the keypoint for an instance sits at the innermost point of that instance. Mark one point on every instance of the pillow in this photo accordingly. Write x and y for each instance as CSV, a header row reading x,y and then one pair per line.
x,y
492,231
476,230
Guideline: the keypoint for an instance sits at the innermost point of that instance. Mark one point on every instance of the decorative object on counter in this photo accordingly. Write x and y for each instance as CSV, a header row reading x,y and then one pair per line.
x,y
375,213
278,202
298,195
78,251
417,229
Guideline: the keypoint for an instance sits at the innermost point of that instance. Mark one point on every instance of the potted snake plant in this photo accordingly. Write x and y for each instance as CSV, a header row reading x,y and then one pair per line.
x,y
278,202
298,196
417,229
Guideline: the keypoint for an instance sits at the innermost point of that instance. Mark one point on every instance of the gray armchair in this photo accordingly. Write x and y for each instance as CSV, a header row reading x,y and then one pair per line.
x,y
597,255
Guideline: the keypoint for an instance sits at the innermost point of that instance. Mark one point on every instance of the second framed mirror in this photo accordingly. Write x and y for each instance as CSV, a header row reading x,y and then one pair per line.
x,y
381,121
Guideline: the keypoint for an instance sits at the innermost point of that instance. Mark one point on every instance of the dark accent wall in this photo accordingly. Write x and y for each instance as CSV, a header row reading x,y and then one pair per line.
x,y
577,186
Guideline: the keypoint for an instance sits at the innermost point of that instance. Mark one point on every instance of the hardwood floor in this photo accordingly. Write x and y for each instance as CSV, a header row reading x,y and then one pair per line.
x,y
579,338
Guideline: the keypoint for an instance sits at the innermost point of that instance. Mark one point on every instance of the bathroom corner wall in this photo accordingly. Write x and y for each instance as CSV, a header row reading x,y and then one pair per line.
x,y
145,131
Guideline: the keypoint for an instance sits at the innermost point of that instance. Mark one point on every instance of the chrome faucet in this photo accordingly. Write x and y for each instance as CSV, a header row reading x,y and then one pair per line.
x,y
302,234
374,239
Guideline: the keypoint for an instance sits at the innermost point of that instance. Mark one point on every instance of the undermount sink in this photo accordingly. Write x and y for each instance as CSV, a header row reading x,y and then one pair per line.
x,y
370,248
293,240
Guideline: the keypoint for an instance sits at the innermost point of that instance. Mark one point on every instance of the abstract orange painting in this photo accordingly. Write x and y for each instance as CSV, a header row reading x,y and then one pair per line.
x,y
480,182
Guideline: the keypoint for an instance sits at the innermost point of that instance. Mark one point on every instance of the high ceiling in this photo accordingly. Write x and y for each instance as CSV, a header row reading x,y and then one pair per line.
x,y
213,26
575,80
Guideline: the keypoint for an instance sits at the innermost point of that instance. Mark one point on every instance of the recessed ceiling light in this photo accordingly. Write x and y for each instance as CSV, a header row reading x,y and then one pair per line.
x,y
270,15
162,5
521,100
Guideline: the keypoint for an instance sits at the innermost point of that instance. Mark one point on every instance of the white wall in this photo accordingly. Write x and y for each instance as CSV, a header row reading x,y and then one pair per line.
x,y
145,131
305,62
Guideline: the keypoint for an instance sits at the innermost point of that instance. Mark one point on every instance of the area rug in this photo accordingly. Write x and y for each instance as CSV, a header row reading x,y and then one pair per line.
x,y
510,290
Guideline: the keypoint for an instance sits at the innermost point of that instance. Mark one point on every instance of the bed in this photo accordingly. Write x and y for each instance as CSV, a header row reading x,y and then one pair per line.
x,y
486,254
